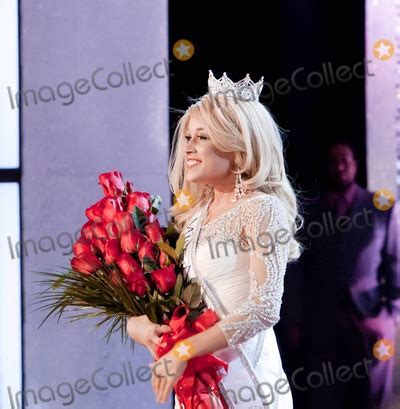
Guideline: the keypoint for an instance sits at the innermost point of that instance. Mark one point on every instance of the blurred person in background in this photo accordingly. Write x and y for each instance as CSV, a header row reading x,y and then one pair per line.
x,y
351,273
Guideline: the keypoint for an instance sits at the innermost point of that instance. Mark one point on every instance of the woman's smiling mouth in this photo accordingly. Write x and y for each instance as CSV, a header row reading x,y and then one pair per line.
x,y
192,162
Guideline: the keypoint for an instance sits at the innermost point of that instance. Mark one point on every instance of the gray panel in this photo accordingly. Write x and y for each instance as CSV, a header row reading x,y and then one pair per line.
x,y
65,147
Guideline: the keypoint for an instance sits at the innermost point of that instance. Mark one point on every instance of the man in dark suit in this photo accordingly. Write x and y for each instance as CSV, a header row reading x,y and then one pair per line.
x,y
351,268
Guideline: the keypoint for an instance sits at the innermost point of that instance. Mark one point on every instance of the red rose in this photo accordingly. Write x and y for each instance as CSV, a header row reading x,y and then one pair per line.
x,y
128,265
140,199
147,249
86,230
105,209
112,251
124,221
99,244
129,187
163,259
99,231
112,230
138,284
94,212
165,278
131,241
110,207
111,183
85,263
154,231
83,246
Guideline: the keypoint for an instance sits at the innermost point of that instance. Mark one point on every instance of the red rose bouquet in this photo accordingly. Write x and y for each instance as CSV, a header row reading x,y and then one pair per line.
x,y
125,264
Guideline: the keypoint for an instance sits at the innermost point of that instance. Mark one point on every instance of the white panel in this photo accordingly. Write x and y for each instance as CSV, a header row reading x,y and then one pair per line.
x,y
9,128
383,95
10,294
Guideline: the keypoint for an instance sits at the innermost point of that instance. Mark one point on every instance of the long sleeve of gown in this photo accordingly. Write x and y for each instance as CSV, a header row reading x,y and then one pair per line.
x,y
267,236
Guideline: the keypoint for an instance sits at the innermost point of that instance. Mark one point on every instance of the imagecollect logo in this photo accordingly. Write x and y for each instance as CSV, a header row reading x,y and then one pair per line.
x,y
99,80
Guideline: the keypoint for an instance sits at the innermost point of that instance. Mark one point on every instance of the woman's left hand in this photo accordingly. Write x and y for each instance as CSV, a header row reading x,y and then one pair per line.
x,y
165,373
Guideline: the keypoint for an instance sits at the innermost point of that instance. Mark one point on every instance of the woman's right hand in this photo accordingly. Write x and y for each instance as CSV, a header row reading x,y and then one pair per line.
x,y
145,332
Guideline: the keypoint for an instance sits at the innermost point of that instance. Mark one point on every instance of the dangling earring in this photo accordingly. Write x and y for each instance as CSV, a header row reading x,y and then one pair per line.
x,y
240,189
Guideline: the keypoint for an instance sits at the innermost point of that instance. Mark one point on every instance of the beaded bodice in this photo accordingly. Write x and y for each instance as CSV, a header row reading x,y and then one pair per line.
x,y
242,256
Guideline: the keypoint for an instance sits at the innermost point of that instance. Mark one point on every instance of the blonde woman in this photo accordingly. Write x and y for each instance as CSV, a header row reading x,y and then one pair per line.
x,y
239,235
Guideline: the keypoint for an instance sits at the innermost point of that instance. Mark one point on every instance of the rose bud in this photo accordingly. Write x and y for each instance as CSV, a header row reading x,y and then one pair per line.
x,y
165,278
139,199
128,265
94,212
131,241
154,231
110,207
111,183
147,249
163,259
85,263
99,244
124,222
86,230
129,187
99,231
83,246
138,284
112,251
112,230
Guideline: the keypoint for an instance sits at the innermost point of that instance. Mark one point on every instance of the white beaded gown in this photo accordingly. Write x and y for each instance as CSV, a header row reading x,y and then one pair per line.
x,y
240,260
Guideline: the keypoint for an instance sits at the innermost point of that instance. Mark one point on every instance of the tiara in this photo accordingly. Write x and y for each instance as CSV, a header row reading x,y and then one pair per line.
x,y
244,89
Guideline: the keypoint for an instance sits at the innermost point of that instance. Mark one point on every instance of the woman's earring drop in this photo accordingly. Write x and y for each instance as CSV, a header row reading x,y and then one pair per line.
x,y
240,189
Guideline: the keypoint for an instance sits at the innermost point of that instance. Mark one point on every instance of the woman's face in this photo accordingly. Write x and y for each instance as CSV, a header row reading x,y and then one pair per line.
x,y
204,163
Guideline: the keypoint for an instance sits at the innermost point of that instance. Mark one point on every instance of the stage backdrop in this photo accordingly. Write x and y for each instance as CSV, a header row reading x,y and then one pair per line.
x,y
95,99
383,95
383,112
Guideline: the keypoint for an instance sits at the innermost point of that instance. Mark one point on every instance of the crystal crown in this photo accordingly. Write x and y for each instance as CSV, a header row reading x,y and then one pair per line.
x,y
244,89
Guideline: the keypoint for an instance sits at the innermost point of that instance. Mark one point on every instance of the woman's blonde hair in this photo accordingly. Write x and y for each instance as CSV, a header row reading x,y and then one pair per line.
x,y
247,129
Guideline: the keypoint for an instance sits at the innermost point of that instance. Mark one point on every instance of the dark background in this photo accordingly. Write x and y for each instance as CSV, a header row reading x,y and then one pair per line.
x,y
274,38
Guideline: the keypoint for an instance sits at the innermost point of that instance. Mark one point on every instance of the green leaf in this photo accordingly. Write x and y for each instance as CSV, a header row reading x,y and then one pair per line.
x,y
178,285
171,230
139,219
154,312
58,282
149,265
179,246
195,301
191,295
164,308
162,245
155,203
89,296
173,302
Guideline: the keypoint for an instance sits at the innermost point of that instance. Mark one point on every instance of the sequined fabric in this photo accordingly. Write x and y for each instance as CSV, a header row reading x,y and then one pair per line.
x,y
257,232
240,260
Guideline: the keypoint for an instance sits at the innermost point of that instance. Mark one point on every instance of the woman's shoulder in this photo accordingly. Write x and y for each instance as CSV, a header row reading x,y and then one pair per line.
x,y
264,200
262,206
